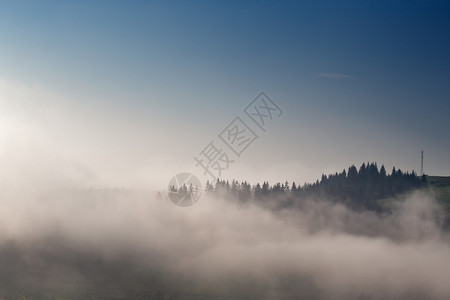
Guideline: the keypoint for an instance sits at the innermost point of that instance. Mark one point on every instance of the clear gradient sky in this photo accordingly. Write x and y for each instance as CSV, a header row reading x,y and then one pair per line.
x,y
125,93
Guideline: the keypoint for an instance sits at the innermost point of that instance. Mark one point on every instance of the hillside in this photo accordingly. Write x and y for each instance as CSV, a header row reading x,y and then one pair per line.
x,y
441,186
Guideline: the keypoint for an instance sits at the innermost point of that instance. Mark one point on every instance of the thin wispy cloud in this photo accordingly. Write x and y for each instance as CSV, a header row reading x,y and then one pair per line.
x,y
333,76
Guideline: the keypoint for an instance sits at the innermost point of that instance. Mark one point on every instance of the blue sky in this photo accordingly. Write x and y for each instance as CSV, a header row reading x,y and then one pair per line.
x,y
151,83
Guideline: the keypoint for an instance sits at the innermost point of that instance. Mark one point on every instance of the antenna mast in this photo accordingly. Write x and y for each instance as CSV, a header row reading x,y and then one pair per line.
x,y
421,164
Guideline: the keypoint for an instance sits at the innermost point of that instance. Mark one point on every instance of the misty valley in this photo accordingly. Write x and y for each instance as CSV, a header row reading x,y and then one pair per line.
x,y
358,234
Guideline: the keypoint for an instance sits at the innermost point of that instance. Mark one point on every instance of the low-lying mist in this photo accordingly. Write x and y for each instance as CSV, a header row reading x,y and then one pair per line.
x,y
119,244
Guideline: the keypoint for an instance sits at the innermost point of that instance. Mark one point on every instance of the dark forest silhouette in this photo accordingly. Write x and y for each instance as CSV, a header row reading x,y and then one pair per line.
x,y
357,188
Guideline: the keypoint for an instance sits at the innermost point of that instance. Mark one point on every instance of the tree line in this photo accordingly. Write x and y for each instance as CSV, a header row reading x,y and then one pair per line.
x,y
356,188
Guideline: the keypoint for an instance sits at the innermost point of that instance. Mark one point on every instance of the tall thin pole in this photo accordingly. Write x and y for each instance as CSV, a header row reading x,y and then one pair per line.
x,y
421,164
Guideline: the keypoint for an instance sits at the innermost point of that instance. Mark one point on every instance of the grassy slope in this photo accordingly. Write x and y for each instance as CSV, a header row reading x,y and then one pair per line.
x,y
441,186
438,186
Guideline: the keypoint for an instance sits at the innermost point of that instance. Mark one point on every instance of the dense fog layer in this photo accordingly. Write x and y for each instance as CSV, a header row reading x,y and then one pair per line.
x,y
127,244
